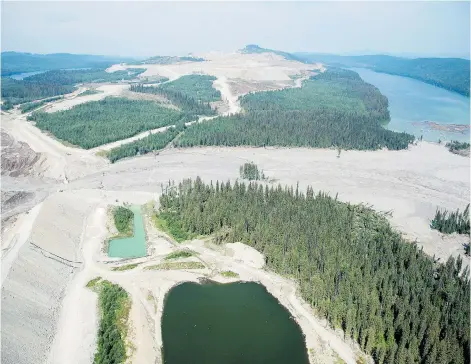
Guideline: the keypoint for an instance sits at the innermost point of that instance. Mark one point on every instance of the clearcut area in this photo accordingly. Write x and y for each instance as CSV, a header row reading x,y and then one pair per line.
x,y
133,247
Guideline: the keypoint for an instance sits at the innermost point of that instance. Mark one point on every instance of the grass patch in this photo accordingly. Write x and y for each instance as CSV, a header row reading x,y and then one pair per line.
x,y
114,305
91,91
180,254
169,223
229,274
123,218
176,265
92,283
125,267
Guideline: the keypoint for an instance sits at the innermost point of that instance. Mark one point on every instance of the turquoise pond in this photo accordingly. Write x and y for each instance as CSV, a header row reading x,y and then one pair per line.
x,y
134,246
411,102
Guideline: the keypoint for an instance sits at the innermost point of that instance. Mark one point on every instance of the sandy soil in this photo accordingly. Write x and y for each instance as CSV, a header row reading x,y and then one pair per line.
x,y
115,89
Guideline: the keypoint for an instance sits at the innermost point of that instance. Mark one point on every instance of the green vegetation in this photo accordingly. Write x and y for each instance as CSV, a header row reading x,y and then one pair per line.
x,y
114,305
250,171
333,109
449,73
191,93
99,122
198,87
73,77
350,265
153,142
253,48
229,274
170,223
451,222
90,91
20,91
180,254
455,146
170,60
58,82
176,265
29,106
152,79
92,283
125,267
123,219
15,62
7,105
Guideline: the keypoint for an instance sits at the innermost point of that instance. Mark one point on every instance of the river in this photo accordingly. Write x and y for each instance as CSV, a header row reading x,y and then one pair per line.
x,y
413,102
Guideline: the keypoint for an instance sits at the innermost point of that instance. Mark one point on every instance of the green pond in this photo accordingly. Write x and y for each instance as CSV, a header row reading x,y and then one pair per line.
x,y
134,246
235,323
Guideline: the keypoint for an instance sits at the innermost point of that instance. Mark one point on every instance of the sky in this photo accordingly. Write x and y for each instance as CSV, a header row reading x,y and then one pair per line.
x,y
142,29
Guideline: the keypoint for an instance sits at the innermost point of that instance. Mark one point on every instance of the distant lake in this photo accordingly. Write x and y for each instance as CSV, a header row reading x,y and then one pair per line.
x,y
20,76
412,102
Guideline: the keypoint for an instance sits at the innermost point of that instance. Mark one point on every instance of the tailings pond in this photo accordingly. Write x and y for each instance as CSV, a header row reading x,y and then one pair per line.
x,y
422,109
232,323
134,246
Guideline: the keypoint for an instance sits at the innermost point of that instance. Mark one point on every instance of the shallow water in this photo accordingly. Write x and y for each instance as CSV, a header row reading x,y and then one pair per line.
x,y
229,323
134,246
411,102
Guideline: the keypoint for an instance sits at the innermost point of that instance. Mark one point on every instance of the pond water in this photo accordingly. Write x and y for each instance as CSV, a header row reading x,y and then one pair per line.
x,y
232,323
134,246
412,102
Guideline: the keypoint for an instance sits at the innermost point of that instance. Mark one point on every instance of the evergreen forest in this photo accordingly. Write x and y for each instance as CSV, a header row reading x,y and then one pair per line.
x,y
350,265
451,222
179,99
251,172
153,142
333,109
99,122
198,87
57,82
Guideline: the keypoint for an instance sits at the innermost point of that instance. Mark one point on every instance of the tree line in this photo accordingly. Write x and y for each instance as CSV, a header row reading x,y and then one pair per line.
x,y
350,265
150,143
451,222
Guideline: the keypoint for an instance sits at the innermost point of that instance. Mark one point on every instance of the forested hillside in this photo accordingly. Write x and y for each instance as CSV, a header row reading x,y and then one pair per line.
x,y
58,82
15,62
99,122
253,48
170,60
333,109
350,265
19,91
72,77
449,73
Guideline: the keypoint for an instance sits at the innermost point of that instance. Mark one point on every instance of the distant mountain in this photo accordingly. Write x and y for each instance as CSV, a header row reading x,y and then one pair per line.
x,y
253,48
452,74
449,73
15,62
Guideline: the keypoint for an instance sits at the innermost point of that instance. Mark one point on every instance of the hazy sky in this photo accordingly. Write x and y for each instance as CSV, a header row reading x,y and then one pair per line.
x,y
171,28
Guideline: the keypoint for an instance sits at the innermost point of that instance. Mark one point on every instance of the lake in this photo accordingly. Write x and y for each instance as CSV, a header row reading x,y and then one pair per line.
x,y
412,102
232,323
20,76
133,247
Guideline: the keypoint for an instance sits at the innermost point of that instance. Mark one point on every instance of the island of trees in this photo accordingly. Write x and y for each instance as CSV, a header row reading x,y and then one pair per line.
x,y
333,109
356,271
99,122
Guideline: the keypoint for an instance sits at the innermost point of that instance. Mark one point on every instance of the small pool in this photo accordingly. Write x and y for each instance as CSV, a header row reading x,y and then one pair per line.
x,y
133,247
236,323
